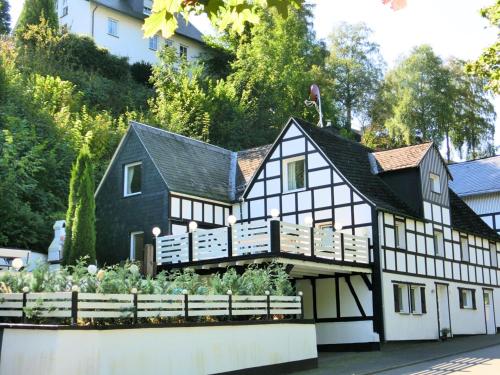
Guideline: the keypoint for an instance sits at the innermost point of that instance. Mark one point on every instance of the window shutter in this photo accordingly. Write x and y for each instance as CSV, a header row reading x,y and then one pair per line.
x,y
397,308
461,298
473,299
422,300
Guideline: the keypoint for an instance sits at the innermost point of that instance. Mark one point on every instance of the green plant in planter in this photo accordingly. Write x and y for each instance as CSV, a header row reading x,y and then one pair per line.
x,y
444,333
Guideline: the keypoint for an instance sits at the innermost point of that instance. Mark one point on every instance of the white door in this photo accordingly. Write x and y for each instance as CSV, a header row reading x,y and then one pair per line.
x,y
489,312
443,309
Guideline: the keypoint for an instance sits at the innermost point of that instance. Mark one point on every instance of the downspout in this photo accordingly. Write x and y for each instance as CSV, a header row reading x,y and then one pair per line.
x,y
93,17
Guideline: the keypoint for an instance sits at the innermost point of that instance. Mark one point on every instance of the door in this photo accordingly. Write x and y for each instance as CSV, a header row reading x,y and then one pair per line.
x,y
443,306
137,246
489,312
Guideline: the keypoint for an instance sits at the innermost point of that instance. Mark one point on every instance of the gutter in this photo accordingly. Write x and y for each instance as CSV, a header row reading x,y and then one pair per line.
x,y
93,19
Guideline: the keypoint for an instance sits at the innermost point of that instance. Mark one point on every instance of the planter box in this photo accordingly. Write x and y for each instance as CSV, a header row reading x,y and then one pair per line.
x,y
191,349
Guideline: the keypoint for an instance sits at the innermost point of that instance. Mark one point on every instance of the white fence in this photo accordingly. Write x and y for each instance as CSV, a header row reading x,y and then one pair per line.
x,y
255,238
76,305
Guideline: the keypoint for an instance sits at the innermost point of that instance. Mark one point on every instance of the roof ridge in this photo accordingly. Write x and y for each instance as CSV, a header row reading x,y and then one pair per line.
x,y
430,143
254,149
473,160
181,137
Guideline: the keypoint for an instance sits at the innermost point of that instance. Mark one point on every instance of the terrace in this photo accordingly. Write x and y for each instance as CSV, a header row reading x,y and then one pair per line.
x,y
311,251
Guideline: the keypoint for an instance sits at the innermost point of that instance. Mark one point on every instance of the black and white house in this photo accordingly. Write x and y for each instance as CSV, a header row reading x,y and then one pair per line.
x,y
477,182
379,245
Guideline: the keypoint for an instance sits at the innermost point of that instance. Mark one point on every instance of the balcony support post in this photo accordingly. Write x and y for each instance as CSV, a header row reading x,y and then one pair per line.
x,y
274,228
190,247
230,241
311,231
342,246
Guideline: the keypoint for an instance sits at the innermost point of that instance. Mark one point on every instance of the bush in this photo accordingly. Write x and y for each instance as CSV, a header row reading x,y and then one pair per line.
x,y
141,72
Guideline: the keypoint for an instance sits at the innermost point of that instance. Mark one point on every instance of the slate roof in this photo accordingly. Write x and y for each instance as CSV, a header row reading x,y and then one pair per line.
x,y
476,176
464,218
401,158
189,166
248,162
134,8
352,160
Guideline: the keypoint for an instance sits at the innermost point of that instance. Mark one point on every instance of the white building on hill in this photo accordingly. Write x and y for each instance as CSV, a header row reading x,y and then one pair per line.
x,y
117,26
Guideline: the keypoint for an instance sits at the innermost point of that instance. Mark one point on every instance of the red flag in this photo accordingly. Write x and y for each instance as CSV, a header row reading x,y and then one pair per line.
x,y
395,4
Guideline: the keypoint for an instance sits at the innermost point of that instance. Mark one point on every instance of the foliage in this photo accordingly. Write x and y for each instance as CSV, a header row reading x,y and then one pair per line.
x,y
141,72
123,278
224,14
4,17
80,217
353,70
487,66
35,10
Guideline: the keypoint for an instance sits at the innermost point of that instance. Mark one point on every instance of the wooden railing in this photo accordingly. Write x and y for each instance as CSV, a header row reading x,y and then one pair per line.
x,y
75,306
262,237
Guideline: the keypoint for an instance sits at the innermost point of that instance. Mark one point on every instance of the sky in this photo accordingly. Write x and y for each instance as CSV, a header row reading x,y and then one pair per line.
x,y
451,27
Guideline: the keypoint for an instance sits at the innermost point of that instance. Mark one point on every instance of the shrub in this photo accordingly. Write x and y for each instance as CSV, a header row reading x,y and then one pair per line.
x,y
141,72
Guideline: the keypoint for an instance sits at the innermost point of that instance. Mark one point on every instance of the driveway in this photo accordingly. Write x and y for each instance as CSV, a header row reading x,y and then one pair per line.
x,y
398,356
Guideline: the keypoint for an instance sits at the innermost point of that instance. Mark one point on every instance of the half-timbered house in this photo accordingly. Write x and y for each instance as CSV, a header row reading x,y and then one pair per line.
x,y
377,243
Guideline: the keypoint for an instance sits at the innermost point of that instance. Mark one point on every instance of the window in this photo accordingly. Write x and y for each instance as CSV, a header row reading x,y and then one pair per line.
x,y
294,174
438,243
464,247
136,246
153,43
183,51
409,299
132,179
148,6
112,27
435,183
169,43
399,228
467,298
417,300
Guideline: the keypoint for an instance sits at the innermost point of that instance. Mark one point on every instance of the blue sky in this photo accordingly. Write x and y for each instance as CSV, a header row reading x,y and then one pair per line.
x,y
451,27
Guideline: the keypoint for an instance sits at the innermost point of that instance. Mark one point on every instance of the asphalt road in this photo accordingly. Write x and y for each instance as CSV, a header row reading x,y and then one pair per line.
x,y
478,362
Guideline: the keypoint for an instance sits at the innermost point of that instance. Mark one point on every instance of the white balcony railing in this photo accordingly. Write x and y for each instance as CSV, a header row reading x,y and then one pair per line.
x,y
259,238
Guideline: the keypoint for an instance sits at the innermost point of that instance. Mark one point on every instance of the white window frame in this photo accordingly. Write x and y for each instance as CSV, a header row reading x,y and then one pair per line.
x,y
400,234
132,243
181,48
125,179
403,297
467,299
153,43
435,181
416,303
285,174
110,30
438,243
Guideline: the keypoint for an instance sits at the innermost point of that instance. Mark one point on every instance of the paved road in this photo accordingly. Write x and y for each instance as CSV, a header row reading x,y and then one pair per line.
x,y
420,356
479,362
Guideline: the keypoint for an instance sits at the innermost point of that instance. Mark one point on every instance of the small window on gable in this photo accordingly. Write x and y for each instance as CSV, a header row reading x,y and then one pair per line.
x,y
467,298
464,247
493,254
435,183
294,177
132,179
399,227
112,27
438,243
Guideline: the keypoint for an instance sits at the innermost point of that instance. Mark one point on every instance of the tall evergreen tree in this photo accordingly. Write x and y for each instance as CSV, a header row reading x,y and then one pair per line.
x,y
33,11
4,17
78,205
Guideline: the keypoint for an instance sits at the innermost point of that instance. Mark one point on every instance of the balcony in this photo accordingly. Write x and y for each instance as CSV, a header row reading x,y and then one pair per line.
x,y
263,239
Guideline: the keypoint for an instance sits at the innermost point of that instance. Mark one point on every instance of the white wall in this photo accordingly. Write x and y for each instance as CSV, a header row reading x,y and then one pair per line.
x,y
346,332
400,326
176,350
130,41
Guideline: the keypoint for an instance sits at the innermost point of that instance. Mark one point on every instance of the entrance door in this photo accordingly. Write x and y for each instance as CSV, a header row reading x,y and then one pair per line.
x,y
137,246
489,312
443,305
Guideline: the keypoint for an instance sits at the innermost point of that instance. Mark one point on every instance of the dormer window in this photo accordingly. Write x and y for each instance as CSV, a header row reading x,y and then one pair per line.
x,y
294,174
132,179
435,183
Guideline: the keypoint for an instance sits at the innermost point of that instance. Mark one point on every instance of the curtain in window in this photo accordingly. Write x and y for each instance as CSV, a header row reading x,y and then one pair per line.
x,y
292,182
130,178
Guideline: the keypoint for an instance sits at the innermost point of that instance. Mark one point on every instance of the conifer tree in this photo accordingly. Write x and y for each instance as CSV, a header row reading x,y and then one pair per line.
x,y
4,17
80,216
33,11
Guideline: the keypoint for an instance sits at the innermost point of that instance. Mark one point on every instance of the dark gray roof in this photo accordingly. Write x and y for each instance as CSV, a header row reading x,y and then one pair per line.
x,y
476,176
134,8
189,166
352,160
